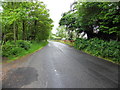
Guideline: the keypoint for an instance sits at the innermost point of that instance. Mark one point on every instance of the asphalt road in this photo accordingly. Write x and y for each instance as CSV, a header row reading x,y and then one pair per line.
x,y
59,66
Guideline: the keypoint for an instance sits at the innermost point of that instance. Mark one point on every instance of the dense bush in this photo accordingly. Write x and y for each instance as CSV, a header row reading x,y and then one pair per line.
x,y
97,47
6,50
12,49
23,44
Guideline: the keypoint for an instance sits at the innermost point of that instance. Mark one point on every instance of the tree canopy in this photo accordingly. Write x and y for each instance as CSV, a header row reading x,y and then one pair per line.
x,y
97,19
25,21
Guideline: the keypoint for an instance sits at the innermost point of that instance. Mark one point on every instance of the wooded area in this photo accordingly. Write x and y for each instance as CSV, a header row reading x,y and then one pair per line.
x,y
97,19
22,23
25,21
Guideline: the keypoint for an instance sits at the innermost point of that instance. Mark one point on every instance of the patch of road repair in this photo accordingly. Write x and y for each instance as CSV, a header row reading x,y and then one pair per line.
x,y
19,77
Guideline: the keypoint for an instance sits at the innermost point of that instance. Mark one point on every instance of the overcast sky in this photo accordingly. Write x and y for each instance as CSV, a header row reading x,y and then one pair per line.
x,y
57,7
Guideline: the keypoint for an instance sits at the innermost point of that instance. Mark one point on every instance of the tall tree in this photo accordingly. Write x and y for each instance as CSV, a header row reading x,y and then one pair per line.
x,y
25,20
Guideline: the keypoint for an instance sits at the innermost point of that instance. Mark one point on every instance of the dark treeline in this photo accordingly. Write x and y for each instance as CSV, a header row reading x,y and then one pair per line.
x,y
97,19
25,21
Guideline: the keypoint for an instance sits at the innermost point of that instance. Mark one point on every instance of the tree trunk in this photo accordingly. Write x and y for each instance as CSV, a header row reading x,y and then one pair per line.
x,y
35,28
17,32
23,30
14,32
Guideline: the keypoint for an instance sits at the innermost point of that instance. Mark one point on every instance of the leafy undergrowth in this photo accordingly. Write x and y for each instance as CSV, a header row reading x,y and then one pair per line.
x,y
13,51
109,50
68,42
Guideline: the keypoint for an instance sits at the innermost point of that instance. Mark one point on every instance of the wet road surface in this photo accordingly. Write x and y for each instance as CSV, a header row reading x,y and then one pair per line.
x,y
59,66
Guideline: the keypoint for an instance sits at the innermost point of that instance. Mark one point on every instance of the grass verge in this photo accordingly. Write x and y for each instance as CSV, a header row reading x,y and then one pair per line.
x,y
35,46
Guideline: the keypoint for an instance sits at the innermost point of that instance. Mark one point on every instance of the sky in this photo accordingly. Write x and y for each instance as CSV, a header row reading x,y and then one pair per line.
x,y
57,8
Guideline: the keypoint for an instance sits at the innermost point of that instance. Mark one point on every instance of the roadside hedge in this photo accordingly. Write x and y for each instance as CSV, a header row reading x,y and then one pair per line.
x,y
12,49
101,48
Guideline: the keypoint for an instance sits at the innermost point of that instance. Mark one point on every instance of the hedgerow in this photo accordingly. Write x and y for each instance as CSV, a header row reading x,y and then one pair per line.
x,y
12,49
97,47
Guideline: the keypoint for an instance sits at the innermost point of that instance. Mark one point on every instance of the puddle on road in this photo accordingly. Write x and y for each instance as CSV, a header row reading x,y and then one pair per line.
x,y
20,77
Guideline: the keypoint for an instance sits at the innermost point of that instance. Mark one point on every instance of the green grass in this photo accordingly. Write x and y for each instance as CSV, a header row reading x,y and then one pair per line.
x,y
35,46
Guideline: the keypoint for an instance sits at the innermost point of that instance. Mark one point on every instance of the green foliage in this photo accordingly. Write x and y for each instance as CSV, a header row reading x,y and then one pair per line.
x,y
85,16
6,50
97,47
25,21
21,48
23,44
69,21
102,14
10,48
8,36
15,51
61,32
